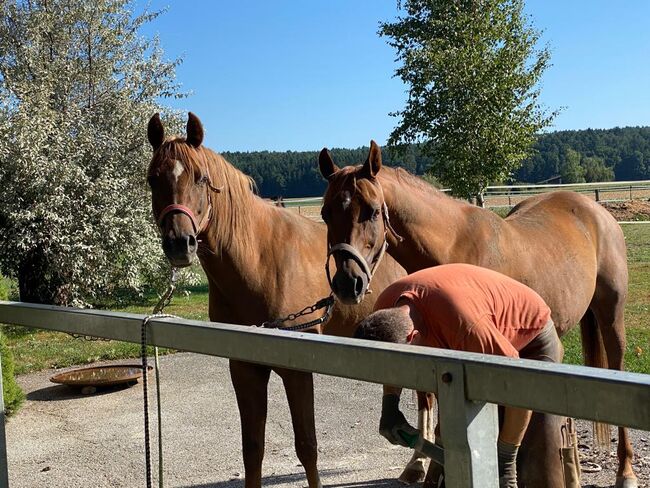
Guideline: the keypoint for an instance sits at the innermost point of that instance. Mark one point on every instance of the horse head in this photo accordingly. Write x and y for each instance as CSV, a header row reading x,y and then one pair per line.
x,y
180,189
357,222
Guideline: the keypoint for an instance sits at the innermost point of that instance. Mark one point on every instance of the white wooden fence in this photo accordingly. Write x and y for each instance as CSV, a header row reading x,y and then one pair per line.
x,y
508,196
468,385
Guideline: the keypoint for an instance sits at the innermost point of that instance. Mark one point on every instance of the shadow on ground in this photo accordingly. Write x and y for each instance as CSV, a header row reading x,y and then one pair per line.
x,y
300,477
63,392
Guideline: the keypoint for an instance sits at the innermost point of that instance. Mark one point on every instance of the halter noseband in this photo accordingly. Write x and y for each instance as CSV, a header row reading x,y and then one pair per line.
x,y
176,207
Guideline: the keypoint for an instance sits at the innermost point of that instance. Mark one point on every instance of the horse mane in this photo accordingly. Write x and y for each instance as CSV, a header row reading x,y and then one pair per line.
x,y
233,207
405,177
399,175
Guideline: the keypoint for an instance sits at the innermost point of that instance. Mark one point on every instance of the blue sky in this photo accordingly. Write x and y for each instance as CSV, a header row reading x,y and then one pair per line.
x,y
300,75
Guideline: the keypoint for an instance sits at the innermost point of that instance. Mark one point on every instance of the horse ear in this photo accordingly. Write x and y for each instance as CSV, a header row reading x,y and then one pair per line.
x,y
373,164
155,132
326,164
194,130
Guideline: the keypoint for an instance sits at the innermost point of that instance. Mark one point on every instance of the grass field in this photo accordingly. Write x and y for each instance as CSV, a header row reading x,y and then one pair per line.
x,y
35,349
637,318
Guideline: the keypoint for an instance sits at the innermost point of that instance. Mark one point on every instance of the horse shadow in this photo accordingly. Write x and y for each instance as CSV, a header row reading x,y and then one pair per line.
x,y
300,477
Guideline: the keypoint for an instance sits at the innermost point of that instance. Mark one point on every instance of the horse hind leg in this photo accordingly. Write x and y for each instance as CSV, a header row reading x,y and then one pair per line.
x,y
608,308
415,471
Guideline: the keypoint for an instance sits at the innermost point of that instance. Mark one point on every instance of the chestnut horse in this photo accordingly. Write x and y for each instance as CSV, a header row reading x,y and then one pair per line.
x,y
564,246
262,262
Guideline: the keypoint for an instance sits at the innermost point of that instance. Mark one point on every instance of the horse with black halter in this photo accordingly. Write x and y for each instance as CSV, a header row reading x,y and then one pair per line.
x,y
262,262
567,248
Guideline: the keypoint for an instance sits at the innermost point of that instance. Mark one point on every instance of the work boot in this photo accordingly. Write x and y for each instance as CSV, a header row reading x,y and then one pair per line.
x,y
394,426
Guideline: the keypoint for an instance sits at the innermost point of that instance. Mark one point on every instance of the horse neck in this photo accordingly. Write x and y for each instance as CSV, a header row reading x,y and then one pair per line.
x,y
428,220
234,242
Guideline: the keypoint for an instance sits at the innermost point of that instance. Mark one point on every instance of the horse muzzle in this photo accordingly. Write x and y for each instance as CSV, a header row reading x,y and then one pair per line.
x,y
180,250
349,287
352,278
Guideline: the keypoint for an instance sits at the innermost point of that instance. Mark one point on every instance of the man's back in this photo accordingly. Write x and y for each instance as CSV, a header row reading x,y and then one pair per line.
x,y
454,298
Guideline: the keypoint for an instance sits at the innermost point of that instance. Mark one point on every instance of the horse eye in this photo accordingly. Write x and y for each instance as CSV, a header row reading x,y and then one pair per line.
x,y
202,180
375,214
151,180
324,213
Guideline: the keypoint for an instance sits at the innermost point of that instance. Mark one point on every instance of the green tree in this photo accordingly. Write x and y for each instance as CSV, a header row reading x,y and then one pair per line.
x,y
472,69
571,170
596,170
78,84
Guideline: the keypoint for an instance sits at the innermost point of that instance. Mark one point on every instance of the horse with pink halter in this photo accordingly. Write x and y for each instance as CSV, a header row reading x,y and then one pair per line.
x,y
261,261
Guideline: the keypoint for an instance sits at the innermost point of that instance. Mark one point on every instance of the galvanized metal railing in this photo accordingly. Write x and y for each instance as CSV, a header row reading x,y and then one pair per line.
x,y
468,385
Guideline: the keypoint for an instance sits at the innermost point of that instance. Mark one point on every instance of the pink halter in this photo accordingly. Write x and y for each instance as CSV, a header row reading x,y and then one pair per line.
x,y
179,208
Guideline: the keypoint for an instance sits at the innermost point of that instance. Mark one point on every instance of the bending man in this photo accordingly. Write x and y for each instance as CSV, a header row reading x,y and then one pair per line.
x,y
465,308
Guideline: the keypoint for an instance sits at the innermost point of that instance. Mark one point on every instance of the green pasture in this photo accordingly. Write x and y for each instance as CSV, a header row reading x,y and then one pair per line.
x,y
36,349
637,318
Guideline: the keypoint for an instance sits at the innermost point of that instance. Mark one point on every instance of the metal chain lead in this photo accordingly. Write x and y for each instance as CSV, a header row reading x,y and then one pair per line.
x,y
327,303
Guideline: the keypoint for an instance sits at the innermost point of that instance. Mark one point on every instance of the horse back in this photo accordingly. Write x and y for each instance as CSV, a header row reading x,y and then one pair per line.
x,y
562,244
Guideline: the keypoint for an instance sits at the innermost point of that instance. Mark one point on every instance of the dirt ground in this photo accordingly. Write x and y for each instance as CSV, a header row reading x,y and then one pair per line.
x,y
629,211
62,439
606,460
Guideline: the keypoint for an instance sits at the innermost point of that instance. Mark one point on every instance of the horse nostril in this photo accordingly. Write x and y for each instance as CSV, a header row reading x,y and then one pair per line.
x,y
358,286
335,287
191,242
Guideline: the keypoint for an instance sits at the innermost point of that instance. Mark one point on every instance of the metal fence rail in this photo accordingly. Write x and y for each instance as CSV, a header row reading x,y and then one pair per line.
x,y
467,384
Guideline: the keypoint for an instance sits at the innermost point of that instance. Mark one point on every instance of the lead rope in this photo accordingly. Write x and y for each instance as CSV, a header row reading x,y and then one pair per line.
x,y
157,314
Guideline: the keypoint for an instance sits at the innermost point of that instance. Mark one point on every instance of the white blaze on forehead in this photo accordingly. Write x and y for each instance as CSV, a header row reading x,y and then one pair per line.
x,y
178,169
347,199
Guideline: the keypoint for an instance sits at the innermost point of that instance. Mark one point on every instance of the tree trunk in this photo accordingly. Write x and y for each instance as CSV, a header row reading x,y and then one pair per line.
x,y
36,282
480,199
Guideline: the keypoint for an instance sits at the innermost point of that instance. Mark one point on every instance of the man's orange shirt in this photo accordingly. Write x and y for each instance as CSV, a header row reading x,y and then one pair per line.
x,y
468,308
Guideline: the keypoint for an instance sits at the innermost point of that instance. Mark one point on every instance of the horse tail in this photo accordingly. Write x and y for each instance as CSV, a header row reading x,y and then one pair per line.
x,y
593,350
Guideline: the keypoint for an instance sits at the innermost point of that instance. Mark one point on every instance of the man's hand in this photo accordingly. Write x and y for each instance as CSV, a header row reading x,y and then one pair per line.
x,y
393,425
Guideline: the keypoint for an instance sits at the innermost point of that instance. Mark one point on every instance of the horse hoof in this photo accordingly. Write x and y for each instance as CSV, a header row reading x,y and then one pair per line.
x,y
626,482
414,471
412,474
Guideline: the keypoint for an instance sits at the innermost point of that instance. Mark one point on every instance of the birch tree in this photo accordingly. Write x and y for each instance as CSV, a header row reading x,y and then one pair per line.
x,y
472,70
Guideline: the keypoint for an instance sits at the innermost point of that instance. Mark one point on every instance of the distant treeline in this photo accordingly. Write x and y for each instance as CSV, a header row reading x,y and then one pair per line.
x,y
574,156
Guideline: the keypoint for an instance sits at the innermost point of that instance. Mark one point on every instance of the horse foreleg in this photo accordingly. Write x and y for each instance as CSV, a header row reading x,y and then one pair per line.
x,y
250,382
300,395
415,469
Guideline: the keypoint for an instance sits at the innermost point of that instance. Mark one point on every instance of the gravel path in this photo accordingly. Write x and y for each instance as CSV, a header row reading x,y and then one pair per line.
x,y
61,439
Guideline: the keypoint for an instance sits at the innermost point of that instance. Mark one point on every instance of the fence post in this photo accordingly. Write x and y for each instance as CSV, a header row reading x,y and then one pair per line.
x,y
597,192
630,192
4,471
469,432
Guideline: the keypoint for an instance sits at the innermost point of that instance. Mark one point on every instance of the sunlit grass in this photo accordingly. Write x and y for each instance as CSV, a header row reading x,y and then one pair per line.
x,y
637,318
36,349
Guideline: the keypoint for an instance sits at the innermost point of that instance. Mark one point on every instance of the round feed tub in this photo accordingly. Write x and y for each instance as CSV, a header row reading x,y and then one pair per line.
x,y
89,379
